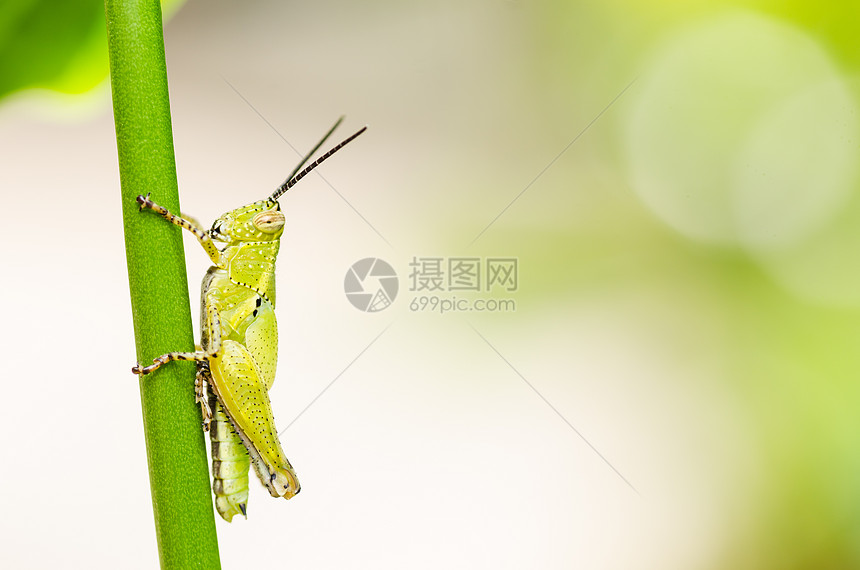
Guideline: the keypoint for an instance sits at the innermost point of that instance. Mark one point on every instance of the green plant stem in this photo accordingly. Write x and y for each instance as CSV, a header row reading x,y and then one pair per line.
x,y
176,452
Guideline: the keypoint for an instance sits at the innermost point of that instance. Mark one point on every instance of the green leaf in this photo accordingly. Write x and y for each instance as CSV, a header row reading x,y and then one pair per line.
x,y
54,44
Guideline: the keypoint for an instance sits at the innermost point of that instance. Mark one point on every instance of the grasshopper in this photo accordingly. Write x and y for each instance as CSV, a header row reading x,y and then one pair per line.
x,y
238,351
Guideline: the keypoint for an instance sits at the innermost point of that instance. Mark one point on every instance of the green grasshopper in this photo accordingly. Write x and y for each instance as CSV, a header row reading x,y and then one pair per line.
x,y
238,351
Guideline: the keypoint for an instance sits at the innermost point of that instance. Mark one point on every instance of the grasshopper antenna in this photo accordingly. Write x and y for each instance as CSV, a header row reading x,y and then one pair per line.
x,y
295,177
316,148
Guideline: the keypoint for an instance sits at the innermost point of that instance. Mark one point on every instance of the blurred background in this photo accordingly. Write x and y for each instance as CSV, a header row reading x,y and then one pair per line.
x,y
675,385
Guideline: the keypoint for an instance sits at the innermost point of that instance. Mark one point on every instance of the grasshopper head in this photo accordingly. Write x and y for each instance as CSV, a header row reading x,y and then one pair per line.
x,y
260,221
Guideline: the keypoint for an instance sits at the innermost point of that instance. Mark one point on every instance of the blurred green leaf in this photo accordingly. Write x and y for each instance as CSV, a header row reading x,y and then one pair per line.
x,y
54,44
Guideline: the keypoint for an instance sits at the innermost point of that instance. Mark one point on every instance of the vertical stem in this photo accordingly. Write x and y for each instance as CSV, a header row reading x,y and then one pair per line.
x,y
176,452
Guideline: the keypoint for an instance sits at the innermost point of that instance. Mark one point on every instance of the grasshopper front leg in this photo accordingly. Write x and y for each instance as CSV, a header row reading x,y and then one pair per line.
x,y
192,226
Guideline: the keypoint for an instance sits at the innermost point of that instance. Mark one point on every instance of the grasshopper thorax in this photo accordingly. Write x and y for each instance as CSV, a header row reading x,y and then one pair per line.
x,y
258,222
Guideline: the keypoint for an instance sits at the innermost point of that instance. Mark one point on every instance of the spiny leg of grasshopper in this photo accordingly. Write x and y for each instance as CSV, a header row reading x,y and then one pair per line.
x,y
201,392
192,226
214,349
202,357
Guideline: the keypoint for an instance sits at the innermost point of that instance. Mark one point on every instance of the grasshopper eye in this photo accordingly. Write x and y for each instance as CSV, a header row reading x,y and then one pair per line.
x,y
269,221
